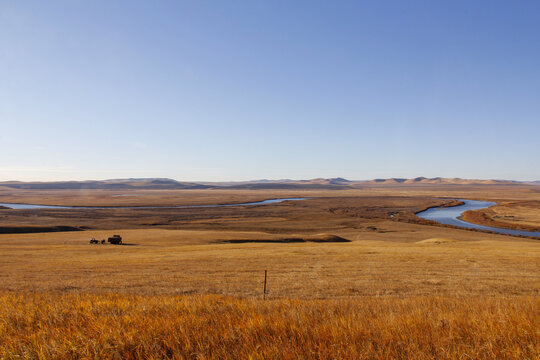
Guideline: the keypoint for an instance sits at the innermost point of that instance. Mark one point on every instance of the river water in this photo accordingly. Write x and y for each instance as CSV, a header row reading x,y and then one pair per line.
x,y
450,216
443,215
36,206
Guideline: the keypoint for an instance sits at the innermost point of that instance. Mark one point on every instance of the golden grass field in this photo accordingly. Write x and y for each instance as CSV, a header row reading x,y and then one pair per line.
x,y
401,288
214,327
397,263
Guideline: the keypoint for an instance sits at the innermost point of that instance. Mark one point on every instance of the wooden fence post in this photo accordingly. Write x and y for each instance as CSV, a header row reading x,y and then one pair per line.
x,y
264,291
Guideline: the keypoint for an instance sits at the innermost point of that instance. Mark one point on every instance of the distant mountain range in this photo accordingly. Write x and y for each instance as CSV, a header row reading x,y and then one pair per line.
x,y
440,180
319,183
113,184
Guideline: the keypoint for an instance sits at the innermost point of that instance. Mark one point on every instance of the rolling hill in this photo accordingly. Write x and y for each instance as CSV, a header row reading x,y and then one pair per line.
x,y
318,183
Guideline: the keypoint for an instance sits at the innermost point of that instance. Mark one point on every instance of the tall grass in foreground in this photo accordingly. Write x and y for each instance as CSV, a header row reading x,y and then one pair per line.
x,y
44,326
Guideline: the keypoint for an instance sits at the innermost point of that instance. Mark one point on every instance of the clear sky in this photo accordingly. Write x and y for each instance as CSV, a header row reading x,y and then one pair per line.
x,y
238,90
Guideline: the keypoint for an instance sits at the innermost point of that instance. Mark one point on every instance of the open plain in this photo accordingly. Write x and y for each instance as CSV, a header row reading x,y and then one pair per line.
x,y
241,180
418,282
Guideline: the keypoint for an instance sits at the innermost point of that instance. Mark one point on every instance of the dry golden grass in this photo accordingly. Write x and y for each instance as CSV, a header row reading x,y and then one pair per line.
x,y
218,196
397,290
42,326
437,241
387,261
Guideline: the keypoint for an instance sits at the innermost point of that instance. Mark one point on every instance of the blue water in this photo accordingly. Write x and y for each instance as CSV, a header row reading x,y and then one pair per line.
x,y
450,216
36,206
32,206
121,195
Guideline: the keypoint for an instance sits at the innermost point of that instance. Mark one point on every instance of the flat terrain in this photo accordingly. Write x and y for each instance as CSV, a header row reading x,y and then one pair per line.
x,y
185,251
214,258
408,262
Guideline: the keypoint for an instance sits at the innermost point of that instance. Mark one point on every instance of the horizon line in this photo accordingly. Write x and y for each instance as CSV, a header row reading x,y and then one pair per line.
x,y
267,179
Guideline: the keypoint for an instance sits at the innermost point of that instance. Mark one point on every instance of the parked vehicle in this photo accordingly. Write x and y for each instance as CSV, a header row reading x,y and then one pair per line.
x,y
115,240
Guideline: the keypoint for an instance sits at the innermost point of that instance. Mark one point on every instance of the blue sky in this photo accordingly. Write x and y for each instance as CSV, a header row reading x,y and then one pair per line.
x,y
238,90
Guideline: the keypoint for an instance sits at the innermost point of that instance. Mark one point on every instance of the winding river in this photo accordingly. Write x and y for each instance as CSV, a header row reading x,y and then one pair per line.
x,y
450,216
44,207
443,215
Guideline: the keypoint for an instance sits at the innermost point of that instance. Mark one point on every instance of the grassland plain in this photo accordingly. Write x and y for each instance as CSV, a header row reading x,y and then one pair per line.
x,y
399,289
375,263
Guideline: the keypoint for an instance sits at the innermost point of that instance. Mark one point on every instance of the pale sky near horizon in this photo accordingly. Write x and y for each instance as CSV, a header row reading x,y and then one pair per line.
x,y
240,90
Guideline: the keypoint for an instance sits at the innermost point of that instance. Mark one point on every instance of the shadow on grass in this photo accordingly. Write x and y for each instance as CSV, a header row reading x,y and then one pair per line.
x,y
317,239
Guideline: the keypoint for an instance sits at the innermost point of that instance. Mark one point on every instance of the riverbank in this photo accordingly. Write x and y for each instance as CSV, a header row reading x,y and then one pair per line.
x,y
454,216
19,206
510,220
30,229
